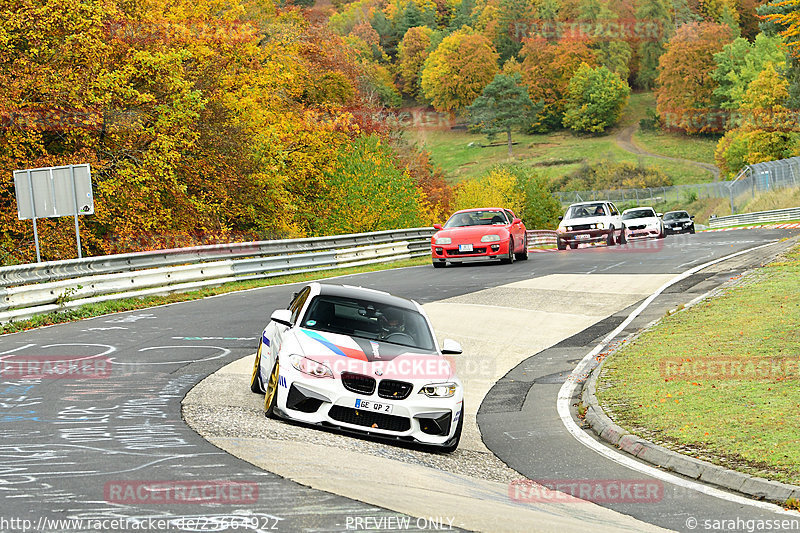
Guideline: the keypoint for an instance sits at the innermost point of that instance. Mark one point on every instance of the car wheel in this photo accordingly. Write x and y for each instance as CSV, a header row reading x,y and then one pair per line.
x,y
523,255
271,395
663,234
510,259
561,245
573,245
691,230
622,238
439,264
610,239
256,385
452,444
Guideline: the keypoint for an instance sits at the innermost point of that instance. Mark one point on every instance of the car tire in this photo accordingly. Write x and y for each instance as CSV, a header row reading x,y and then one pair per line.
x,y
452,444
523,255
271,394
510,259
573,246
610,238
439,264
561,245
663,234
691,230
622,238
256,385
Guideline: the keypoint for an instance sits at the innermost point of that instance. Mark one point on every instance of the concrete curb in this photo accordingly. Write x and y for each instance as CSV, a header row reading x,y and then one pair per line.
x,y
753,487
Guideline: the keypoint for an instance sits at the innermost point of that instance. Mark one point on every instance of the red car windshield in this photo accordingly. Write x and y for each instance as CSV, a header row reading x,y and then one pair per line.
x,y
476,218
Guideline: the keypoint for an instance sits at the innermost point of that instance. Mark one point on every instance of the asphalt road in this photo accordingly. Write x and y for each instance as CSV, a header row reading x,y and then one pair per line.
x,y
74,448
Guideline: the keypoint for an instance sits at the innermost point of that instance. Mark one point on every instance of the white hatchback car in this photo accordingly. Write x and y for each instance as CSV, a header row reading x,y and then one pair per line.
x,y
643,222
363,361
589,222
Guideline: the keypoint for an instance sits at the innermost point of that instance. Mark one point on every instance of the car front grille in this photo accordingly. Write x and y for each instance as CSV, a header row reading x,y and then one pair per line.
x,y
636,228
370,419
394,390
581,227
474,251
358,383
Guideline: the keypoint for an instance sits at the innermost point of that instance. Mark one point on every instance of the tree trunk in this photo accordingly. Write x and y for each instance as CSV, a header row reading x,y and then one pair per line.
x,y
510,153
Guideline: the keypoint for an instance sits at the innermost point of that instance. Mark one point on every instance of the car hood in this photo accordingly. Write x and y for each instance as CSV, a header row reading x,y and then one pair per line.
x,y
471,233
581,221
343,353
649,221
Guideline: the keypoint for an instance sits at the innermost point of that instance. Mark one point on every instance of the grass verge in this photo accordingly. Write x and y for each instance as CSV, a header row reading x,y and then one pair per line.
x,y
678,384
129,304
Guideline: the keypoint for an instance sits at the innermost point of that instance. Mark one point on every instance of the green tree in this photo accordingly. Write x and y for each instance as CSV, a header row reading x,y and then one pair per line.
x,y
365,191
503,106
595,99
458,70
412,53
658,12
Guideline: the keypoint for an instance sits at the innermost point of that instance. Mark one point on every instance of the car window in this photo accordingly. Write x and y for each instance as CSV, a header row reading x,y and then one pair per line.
x,y
476,218
510,216
638,213
298,302
369,320
613,209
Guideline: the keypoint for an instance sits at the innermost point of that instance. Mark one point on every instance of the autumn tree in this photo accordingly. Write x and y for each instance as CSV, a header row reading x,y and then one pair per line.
x,y
412,53
685,94
503,105
546,71
595,99
458,70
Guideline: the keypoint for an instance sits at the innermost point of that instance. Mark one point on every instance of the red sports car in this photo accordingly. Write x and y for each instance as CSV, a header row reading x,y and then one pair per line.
x,y
484,233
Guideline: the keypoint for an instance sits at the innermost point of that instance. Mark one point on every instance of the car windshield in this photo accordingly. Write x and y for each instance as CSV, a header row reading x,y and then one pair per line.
x,y
586,211
676,215
639,213
369,320
476,218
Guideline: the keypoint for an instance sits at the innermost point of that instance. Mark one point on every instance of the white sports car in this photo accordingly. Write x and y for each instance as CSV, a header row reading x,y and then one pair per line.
x,y
643,222
360,360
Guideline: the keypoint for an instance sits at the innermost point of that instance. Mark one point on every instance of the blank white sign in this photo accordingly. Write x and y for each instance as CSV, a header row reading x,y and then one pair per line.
x,y
53,192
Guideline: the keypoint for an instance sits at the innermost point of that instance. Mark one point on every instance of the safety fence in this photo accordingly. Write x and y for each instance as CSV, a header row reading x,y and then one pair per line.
x,y
760,217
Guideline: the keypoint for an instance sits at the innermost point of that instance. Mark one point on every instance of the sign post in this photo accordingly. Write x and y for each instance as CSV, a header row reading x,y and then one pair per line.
x,y
54,192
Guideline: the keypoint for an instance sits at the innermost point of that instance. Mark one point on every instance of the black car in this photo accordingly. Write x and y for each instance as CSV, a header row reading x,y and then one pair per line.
x,y
678,222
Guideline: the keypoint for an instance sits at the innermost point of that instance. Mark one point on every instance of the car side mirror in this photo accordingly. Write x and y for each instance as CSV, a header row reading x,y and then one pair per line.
x,y
560,217
282,316
692,217
517,221
437,226
659,215
449,346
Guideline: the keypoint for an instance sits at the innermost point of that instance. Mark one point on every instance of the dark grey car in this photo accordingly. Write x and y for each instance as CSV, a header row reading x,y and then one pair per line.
x,y
678,222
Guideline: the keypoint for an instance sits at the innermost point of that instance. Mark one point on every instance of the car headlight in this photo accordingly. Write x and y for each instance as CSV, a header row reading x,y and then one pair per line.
x,y
599,225
439,390
490,238
310,367
442,240
569,228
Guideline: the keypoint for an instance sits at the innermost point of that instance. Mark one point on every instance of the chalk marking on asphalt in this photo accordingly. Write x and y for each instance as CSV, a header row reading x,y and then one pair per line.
x,y
568,388
223,353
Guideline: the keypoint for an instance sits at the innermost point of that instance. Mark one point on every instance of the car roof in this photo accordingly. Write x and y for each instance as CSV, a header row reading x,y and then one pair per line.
x,y
363,293
678,211
592,202
639,209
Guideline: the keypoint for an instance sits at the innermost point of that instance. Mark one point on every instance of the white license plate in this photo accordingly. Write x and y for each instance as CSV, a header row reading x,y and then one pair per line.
x,y
369,405
582,236
464,247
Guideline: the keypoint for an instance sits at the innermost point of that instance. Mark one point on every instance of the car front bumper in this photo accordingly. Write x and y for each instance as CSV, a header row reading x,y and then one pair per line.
x,y
584,236
326,402
483,250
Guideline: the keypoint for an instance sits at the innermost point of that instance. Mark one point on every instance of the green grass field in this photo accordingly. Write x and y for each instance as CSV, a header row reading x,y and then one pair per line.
x,y
463,155
745,419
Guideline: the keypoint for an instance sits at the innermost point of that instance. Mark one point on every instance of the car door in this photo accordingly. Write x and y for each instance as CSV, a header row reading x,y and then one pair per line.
x,y
616,217
517,230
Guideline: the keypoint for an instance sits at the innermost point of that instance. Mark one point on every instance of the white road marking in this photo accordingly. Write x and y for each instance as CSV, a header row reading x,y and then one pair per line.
x,y
224,352
568,389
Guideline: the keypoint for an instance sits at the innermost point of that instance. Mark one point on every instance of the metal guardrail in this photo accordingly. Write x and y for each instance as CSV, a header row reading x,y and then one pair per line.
x,y
28,290
760,217
538,237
